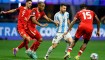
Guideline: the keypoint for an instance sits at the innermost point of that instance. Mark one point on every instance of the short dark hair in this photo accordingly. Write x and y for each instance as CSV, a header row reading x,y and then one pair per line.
x,y
28,0
62,5
40,2
83,6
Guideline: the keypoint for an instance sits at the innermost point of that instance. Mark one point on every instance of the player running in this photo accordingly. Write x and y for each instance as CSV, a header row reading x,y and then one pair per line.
x,y
62,18
36,14
85,29
24,14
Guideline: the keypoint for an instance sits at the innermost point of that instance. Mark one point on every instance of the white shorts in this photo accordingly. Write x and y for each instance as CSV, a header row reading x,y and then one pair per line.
x,y
59,36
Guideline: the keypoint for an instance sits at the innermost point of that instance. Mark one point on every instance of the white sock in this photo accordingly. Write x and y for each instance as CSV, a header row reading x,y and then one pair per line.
x,y
17,49
29,49
49,51
67,47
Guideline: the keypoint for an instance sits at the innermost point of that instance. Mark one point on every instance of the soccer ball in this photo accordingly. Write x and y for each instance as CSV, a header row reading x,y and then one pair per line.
x,y
94,56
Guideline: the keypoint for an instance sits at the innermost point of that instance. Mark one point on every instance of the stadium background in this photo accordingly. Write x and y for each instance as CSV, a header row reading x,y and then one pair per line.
x,y
9,37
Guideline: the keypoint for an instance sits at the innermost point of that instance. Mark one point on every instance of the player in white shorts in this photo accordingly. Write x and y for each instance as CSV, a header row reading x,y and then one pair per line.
x,y
62,18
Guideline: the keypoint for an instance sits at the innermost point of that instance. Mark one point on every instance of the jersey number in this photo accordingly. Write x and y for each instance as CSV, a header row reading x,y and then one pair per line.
x,y
87,15
23,13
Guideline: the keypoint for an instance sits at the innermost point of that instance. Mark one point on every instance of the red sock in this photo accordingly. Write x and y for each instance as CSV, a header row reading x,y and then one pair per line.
x,y
80,52
21,45
32,46
83,47
24,43
37,43
69,49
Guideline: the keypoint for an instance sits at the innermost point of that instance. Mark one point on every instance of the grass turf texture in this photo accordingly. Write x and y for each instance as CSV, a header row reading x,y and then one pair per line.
x,y
57,54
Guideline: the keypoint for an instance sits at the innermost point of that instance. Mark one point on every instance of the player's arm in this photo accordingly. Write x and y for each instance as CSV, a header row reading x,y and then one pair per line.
x,y
10,11
68,21
36,22
71,25
50,20
98,25
73,22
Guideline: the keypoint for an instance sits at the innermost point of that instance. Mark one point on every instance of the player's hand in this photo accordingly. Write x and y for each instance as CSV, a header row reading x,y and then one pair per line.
x,y
64,34
56,24
44,25
3,12
98,34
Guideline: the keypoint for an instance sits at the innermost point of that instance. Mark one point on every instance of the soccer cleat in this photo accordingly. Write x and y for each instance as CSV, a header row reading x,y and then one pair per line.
x,y
34,56
29,53
46,57
67,56
77,57
14,51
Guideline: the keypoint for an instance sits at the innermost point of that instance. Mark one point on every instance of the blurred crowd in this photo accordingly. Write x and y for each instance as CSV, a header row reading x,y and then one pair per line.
x,y
50,10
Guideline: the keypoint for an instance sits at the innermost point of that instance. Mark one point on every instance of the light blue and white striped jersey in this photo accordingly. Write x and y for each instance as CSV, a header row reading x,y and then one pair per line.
x,y
62,19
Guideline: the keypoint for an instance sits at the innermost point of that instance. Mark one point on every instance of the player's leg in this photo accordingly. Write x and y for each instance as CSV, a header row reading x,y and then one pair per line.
x,y
82,48
24,43
50,49
32,50
68,40
67,46
38,41
78,34
86,38
26,38
55,42
69,50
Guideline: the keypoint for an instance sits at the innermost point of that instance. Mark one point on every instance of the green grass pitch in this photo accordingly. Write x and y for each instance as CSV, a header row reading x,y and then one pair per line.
x,y
57,54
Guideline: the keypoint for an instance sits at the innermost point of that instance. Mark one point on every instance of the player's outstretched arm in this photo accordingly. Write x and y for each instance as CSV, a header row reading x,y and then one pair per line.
x,y
98,25
71,25
36,22
68,21
50,20
10,11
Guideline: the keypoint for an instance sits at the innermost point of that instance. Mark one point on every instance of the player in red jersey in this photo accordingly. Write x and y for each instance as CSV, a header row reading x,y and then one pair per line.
x,y
24,14
36,14
85,29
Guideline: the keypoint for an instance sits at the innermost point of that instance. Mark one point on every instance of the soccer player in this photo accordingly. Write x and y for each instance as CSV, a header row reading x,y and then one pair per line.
x,y
36,14
85,29
24,14
62,18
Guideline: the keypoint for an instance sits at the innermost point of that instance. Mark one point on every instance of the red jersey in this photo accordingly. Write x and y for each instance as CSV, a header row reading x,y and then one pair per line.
x,y
24,15
86,17
35,12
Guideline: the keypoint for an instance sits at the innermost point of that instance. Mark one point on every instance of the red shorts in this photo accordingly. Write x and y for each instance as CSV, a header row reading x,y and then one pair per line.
x,y
21,30
34,34
85,32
